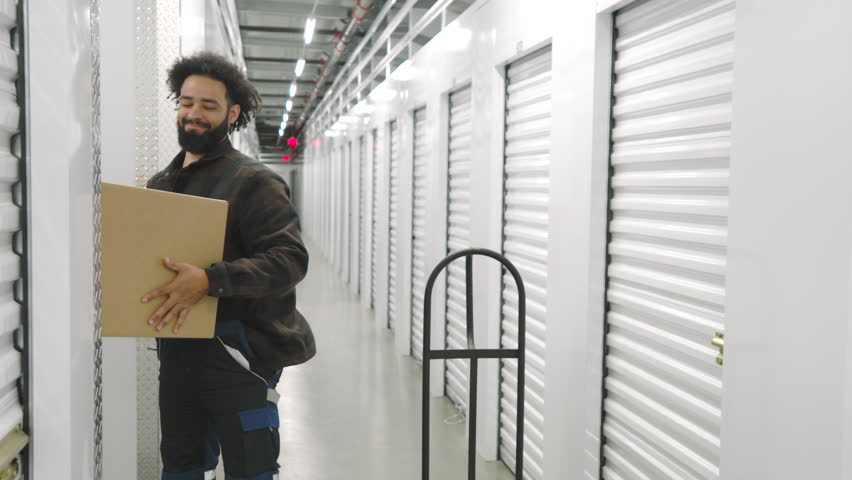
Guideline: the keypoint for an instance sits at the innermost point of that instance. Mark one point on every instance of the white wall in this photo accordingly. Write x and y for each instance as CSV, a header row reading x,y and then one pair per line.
x,y
118,140
787,374
59,138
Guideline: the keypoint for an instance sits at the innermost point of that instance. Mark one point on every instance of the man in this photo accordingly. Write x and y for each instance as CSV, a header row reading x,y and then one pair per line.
x,y
221,392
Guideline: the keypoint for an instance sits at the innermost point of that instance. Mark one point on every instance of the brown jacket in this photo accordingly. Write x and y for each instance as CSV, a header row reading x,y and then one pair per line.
x,y
264,256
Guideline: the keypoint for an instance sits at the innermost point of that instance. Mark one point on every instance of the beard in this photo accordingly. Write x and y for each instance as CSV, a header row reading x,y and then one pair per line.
x,y
200,143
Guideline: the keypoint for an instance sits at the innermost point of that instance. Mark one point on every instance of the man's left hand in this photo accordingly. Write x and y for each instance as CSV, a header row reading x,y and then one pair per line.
x,y
187,289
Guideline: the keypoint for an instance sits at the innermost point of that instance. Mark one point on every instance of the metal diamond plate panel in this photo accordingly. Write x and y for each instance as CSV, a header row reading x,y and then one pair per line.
x,y
168,49
146,91
94,23
157,45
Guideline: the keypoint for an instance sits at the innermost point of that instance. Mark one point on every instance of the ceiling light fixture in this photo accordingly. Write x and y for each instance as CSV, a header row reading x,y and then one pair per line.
x,y
300,67
289,105
310,24
293,89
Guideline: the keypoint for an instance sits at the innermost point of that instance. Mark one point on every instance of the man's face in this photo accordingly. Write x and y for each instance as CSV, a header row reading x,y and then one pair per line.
x,y
203,115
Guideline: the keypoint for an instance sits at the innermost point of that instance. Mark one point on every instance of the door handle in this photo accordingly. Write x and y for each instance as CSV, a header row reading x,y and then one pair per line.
x,y
719,342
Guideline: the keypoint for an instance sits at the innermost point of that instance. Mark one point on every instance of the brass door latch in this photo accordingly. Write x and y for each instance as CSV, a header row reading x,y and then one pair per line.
x,y
719,342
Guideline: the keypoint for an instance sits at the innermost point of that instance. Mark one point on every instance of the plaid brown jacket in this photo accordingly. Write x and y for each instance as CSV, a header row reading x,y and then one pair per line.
x,y
264,256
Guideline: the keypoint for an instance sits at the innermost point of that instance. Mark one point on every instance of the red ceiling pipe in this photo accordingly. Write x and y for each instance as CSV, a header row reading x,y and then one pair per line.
x,y
358,14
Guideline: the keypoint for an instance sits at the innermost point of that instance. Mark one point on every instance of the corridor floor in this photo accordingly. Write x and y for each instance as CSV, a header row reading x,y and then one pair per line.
x,y
353,412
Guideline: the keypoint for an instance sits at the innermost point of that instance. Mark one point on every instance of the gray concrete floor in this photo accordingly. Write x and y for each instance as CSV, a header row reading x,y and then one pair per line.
x,y
353,412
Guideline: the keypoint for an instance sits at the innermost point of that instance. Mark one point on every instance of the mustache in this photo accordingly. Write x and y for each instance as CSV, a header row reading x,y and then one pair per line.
x,y
195,122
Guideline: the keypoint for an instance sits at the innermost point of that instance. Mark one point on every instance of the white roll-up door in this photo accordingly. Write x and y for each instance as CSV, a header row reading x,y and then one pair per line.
x,y
326,203
458,238
351,219
393,228
418,232
338,210
332,205
323,197
346,209
525,231
668,233
374,187
362,210
11,412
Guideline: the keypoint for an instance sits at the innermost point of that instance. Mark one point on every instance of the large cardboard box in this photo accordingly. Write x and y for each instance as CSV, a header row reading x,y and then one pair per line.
x,y
141,227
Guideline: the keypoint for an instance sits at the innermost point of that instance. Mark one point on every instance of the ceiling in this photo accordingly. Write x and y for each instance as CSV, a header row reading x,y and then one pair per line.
x,y
273,40
272,34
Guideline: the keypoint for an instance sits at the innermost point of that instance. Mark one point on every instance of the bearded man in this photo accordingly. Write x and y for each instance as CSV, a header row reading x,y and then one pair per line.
x,y
221,392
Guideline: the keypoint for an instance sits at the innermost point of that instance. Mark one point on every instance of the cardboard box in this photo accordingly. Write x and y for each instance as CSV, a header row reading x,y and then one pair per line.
x,y
140,228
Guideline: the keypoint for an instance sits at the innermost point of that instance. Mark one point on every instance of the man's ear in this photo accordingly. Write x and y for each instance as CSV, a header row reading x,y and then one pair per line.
x,y
233,113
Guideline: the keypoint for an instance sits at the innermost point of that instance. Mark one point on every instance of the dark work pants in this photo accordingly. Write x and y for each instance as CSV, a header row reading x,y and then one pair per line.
x,y
208,399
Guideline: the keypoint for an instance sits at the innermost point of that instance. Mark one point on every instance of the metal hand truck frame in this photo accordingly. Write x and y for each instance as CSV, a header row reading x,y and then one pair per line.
x,y
474,355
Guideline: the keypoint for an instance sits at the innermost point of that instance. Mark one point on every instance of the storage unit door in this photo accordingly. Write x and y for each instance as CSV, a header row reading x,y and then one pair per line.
x,y
326,177
362,210
346,210
11,413
418,233
525,231
374,187
339,214
668,234
332,190
458,238
351,218
393,228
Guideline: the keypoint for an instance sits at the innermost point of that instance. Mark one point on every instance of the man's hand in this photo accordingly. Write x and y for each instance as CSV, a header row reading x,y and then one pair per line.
x,y
187,289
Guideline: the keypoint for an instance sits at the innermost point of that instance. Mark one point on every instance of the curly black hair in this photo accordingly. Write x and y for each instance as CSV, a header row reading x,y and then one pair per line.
x,y
238,90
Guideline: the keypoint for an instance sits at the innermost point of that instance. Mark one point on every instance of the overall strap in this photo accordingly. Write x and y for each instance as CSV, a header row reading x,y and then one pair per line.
x,y
227,179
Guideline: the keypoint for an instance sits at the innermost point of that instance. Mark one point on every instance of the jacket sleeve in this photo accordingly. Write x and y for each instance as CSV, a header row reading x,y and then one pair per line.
x,y
270,233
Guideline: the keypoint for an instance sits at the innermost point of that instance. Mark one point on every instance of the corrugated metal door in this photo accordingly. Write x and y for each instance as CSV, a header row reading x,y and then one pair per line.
x,y
332,214
525,230
668,235
11,413
418,232
351,219
458,238
374,187
340,214
362,210
393,228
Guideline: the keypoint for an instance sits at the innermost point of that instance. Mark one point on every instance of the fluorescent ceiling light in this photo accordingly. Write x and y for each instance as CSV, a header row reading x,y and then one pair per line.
x,y
293,89
280,132
289,105
283,125
300,67
285,117
309,30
